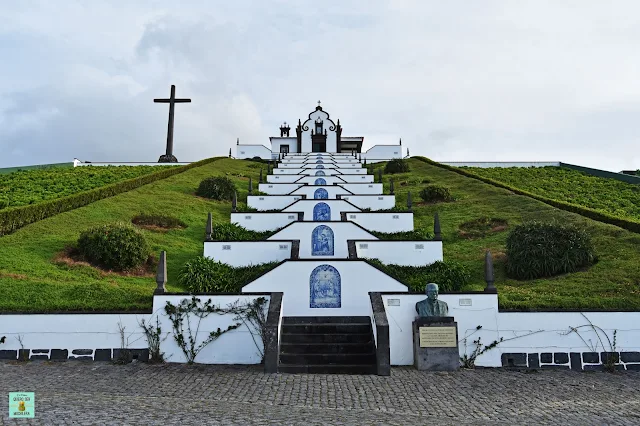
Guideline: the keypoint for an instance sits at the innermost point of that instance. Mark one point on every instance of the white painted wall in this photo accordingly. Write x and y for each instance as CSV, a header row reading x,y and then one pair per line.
x,y
263,221
311,189
407,253
379,153
357,178
337,206
483,311
373,202
292,278
291,142
383,222
311,179
271,202
311,171
342,231
363,188
78,163
327,163
250,151
278,188
283,178
245,253
233,347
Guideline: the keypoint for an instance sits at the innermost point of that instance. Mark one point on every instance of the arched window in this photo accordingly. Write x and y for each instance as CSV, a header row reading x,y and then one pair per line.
x,y
325,287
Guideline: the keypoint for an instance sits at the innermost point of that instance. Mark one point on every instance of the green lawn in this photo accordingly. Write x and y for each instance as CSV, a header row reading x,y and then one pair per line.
x,y
30,281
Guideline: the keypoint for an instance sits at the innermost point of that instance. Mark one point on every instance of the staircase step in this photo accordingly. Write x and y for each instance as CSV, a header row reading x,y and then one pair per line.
x,y
328,369
326,320
327,348
331,359
302,338
340,328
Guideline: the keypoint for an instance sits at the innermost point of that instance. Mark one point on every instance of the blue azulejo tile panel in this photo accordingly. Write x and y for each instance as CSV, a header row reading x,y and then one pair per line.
x,y
322,241
319,166
320,194
320,181
325,287
319,173
320,162
322,212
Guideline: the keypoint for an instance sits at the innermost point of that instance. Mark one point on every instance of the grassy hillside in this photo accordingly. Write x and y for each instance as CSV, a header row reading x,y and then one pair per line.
x,y
31,281
606,195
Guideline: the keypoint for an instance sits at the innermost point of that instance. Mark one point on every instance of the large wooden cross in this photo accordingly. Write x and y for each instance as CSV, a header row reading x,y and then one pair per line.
x,y
171,101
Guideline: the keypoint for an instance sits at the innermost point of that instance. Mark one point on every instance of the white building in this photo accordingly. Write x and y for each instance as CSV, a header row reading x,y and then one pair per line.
x,y
317,133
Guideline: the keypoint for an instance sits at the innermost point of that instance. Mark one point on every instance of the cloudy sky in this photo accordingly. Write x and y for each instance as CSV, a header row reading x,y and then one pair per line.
x,y
457,80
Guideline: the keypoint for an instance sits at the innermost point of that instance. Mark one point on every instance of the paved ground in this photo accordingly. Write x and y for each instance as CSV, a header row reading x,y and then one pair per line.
x,y
81,393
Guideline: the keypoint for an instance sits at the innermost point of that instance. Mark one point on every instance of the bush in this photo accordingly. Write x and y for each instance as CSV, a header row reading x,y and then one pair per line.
x,y
396,166
537,250
433,193
158,220
235,232
216,188
117,247
450,276
205,275
415,235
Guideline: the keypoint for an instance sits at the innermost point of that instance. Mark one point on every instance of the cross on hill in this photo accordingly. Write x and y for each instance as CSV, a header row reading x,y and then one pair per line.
x,y
168,157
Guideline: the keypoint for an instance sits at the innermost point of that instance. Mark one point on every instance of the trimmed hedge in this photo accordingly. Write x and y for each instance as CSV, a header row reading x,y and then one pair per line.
x,y
415,235
629,225
396,165
450,276
434,193
235,232
117,246
205,275
219,188
15,218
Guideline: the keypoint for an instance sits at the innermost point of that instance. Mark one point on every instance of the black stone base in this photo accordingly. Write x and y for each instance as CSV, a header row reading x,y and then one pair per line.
x,y
167,159
577,361
75,354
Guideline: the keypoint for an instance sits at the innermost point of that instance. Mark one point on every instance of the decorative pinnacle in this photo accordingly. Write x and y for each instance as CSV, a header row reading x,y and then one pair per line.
x,y
391,188
229,152
234,202
161,274
380,175
409,204
261,179
437,234
400,141
489,276
238,141
209,228
250,186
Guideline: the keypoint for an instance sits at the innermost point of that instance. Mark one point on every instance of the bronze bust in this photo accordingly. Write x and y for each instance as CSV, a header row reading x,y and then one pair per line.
x,y
431,306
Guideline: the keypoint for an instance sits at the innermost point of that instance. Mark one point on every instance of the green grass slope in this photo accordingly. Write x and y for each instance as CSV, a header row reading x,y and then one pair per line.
x,y
31,281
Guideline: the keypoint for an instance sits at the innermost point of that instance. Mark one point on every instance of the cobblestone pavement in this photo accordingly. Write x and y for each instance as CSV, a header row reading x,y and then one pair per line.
x,y
79,393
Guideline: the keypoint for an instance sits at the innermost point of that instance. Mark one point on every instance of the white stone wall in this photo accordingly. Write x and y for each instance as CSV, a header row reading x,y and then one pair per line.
x,y
383,222
373,202
505,164
263,221
245,253
380,153
363,188
336,206
278,188
342,232
271,202
357,278
332,191
406,253
250,151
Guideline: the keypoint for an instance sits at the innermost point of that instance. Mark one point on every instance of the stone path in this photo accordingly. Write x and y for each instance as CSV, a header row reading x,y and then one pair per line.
x,y
79,393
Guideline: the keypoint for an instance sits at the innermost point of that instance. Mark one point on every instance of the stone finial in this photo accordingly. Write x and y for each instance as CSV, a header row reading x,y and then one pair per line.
x,y
407,152
409,204
261,179
391,187
400,141
269,168
365,162
437,234
489,276
234,202
229,152
360,158
250,186
380,175
161,274
238,141
209,227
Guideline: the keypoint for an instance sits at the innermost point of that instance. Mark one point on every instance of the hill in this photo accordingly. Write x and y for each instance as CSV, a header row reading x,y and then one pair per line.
x,y
32,280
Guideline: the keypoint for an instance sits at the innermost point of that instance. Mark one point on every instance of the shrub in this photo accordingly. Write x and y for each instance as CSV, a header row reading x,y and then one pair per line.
x,y
435,193
235,232
396,166
537,250
161,221
415,235
216,188
205,275
117,246
450,276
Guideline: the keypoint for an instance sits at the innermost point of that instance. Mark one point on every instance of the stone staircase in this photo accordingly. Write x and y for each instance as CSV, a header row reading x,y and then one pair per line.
x,y
329,345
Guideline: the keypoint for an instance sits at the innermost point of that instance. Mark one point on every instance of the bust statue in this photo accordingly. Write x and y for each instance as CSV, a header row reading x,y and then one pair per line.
x,y
431,306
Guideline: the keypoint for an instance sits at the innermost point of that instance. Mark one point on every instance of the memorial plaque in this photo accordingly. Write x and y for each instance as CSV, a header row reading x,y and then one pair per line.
x,y
438,337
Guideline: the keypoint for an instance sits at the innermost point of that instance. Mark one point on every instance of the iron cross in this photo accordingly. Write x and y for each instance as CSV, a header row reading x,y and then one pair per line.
x,y
171,101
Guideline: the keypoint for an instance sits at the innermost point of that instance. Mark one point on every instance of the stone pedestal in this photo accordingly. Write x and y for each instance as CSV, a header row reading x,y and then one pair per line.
x,y
167,159
435,344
